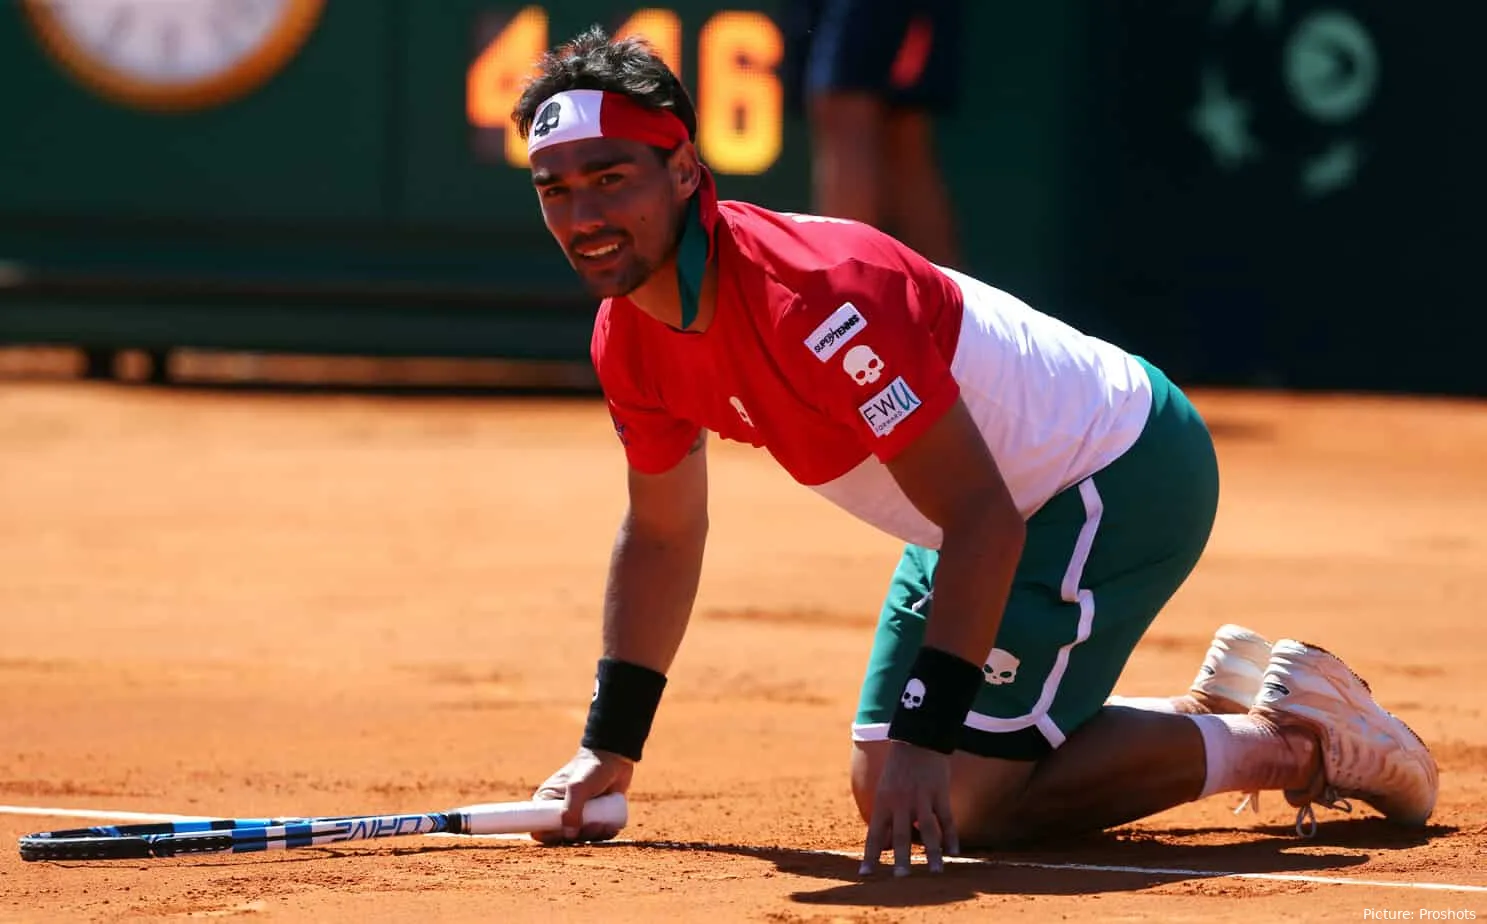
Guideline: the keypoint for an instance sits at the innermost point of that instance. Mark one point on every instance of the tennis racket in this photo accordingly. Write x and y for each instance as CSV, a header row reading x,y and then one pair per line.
x,y
249,835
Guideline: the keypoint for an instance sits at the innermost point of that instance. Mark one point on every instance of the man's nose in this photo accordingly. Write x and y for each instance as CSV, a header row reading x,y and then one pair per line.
x,y
587,213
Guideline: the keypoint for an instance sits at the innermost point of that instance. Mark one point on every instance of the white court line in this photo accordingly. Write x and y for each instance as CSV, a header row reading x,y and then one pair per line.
x,y
112,815
99,814
978,861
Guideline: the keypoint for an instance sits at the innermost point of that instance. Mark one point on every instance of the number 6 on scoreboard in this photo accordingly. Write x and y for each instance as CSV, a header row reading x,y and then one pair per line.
x,y
740,104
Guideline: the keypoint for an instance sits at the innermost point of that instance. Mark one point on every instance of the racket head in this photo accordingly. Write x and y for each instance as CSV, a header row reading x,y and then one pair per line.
x,y
40,847
138,841
36,848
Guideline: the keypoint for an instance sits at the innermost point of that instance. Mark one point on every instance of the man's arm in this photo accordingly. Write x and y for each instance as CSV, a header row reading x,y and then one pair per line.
x,y
653,577
657,563
950,476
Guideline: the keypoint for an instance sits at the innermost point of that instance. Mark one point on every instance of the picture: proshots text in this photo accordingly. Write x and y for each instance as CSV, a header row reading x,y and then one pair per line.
x,y
1419,914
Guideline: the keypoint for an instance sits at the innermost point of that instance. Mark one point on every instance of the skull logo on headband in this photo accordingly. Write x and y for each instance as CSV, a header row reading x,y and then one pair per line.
x,y
547,119
576,115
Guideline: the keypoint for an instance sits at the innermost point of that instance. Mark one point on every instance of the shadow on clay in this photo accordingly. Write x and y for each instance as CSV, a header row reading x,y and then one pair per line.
x,y
1156,857
1271,849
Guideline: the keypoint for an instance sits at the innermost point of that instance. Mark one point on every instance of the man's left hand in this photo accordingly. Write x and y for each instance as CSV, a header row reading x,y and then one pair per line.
x,y
914,790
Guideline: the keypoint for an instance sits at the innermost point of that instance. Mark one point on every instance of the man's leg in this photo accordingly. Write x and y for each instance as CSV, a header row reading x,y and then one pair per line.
x,y
845,80
1314,731
1101,560
1227,681
1120,766
916,201
1117,763
1126,764
847,169
1239,754
923,83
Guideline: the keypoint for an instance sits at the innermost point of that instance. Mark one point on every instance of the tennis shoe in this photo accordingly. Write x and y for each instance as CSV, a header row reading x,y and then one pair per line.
x,y
1230,676
1366,753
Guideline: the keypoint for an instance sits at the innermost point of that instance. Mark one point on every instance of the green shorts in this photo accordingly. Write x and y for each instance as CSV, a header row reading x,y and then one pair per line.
x,y
1101,559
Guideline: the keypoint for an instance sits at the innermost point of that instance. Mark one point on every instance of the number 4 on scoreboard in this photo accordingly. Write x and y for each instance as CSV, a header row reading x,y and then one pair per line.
x,y
494,81
740,103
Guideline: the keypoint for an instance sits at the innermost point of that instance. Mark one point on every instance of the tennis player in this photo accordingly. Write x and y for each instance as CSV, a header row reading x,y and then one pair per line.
x,y
1053,492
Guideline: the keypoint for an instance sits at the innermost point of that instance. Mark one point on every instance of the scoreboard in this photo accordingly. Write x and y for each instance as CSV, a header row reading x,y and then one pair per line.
x,y
739,98
373,146
729,56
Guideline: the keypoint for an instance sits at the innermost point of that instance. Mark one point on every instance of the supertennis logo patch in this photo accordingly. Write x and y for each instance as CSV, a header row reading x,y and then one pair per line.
x,y
888,408
845,323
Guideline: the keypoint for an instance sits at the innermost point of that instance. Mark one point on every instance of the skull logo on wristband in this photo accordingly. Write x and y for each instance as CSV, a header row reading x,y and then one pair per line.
x,y
913,696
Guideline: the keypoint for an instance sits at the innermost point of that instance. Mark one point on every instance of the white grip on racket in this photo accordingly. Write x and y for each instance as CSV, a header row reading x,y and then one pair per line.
x,y
541,815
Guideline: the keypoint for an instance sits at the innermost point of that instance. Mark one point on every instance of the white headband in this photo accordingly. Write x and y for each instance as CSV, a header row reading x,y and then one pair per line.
x,y
577,115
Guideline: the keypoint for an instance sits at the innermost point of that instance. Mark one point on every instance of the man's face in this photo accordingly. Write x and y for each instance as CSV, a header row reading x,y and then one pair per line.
x,y
614,207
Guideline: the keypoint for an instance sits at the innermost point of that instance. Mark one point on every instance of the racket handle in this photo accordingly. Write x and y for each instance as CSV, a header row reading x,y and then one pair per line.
x,y
541,815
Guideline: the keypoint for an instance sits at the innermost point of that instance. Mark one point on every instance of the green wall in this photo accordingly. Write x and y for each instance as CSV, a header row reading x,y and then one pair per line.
x,y
354,178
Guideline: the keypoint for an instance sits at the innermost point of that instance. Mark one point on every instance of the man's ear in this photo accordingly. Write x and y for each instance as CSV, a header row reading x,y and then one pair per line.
x,y
686,169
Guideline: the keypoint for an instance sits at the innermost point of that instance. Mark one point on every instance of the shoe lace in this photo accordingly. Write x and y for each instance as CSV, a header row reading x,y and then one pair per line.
x,y
1251,801
1306,816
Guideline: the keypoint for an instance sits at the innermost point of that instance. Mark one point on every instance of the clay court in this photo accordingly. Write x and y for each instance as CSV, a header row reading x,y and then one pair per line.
x,y
267,603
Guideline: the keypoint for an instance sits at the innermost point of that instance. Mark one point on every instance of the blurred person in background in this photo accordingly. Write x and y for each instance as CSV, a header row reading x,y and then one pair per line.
x,y
871,76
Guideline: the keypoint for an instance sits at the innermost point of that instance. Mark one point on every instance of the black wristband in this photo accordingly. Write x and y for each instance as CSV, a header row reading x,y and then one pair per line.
x,y
935,701
625,700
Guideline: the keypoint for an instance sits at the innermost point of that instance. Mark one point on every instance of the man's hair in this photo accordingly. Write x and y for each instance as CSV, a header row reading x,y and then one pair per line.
x,y
590,61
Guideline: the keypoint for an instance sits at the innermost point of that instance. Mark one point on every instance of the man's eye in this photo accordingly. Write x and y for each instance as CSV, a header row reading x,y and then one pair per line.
x,y
552,192
609,179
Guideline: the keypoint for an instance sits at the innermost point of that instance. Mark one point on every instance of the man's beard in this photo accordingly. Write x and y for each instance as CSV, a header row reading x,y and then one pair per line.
x,y
639,270
634,275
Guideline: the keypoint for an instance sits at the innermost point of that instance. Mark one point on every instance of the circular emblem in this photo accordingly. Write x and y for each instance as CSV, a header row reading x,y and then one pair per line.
x,y
1331,66
1288,90
172,54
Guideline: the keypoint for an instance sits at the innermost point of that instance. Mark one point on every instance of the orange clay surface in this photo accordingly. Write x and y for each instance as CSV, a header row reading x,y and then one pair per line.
x,y
258,603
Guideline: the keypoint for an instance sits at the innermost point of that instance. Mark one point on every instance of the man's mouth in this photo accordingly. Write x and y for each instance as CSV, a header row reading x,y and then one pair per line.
x,y
598,251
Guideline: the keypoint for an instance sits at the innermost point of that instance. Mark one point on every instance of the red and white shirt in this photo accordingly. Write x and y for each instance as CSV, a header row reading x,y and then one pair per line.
x,y
833,346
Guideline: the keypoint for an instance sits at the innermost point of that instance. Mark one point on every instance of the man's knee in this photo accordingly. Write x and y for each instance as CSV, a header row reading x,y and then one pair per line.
x,y
984,791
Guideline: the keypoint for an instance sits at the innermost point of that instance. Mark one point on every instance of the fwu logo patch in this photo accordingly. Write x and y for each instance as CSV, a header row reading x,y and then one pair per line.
x,y
884,410
845,323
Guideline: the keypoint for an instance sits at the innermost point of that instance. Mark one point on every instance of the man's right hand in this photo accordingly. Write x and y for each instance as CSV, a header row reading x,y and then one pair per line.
x,y
588,774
